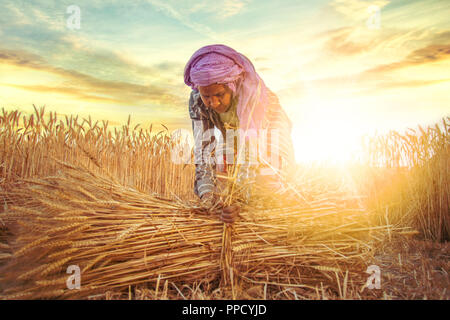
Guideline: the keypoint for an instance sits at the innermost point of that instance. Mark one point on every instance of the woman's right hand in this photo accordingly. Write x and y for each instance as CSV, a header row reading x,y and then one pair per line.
x,y
227,214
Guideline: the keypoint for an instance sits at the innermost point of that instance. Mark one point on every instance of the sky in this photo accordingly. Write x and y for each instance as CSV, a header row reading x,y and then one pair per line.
x,y
341,68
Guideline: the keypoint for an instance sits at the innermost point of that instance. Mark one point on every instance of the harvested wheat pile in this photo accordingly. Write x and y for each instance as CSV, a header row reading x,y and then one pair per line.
x,y
120,237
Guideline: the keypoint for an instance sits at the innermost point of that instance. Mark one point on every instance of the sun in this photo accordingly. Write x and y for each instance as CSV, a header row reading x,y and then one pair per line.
x,y
328,137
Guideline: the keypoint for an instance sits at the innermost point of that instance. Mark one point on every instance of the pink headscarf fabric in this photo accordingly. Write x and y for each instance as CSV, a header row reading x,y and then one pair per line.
x,y
223,65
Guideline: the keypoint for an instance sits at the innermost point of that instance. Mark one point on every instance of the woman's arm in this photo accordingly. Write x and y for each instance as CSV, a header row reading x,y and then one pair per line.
x,y
203,129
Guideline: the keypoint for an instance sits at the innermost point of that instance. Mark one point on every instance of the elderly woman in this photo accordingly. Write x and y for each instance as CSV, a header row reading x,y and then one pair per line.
x,y
230,96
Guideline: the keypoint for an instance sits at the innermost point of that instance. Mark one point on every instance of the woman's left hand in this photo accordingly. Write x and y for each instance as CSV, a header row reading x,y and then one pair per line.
x,y
229,214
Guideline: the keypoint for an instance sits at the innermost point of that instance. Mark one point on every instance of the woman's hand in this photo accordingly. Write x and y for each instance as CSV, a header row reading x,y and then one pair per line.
x,y
227,214
230,213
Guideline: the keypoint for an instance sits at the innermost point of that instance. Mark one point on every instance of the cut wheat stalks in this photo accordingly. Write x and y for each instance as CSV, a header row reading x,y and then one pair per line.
x,y
119,236
404,178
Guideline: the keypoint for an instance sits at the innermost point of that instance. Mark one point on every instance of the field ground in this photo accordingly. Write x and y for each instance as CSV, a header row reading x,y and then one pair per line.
x,y
413,269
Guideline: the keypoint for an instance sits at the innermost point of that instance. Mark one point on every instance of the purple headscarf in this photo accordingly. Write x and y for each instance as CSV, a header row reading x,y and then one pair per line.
x,y
223,65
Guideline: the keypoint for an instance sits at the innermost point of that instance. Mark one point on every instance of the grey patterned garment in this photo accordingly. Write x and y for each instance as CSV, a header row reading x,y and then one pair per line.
x,y
204,120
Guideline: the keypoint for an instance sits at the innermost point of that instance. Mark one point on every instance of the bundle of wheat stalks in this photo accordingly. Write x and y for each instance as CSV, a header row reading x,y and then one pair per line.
x,y
120,237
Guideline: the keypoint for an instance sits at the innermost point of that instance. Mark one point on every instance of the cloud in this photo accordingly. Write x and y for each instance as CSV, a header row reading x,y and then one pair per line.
x,y
116,63
170,11
404,26
77,93
102,74
339,42
88,87
28,14
441,37
412,83
428,54
377,78
225,9
182,11
18,17
54,22
350,52
356,10
422,56
354,40
231,7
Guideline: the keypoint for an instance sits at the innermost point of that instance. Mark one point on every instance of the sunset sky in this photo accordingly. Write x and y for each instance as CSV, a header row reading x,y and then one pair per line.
x,y
338,71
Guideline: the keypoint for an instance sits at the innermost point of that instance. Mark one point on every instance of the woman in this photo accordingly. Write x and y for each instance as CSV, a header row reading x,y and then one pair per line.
x,y
229,95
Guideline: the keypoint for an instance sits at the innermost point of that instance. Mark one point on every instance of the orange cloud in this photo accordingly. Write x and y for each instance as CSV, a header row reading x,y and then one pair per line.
x,y
430,53
90,88
64,90
378,77
337,41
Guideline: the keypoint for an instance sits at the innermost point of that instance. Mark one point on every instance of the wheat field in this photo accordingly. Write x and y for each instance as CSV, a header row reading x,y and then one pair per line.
x,y
112,202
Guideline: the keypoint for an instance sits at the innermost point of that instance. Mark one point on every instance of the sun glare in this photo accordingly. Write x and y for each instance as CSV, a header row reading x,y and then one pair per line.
x,y
329,137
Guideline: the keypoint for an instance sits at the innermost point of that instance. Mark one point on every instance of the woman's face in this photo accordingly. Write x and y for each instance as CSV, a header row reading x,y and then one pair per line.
x,y
216,96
